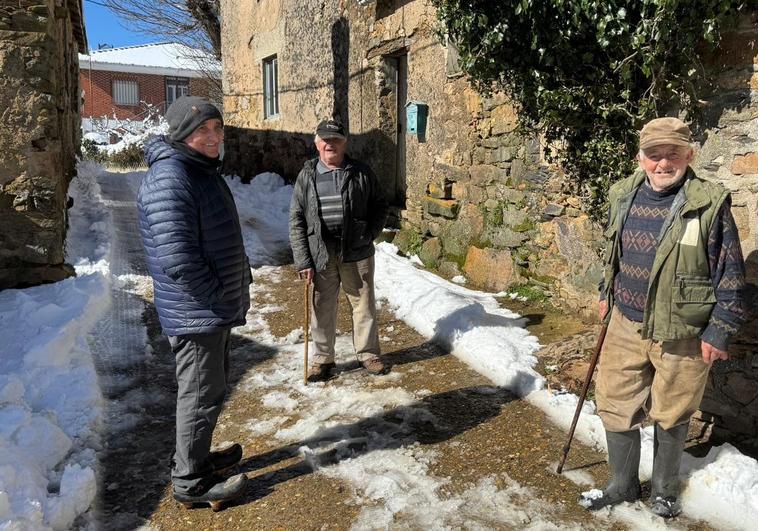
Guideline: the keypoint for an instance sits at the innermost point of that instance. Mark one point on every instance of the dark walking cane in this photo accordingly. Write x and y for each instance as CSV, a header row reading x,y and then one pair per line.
x,y
307,329
579,404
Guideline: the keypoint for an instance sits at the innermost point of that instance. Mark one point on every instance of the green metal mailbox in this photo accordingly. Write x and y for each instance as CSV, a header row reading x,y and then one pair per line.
x,y
416,113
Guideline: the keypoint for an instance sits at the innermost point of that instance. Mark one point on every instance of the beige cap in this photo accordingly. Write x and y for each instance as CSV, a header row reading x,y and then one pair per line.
x,y
665,131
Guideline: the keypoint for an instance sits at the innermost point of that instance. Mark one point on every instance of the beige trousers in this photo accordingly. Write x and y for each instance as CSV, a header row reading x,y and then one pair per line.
x,y
663,380
357,280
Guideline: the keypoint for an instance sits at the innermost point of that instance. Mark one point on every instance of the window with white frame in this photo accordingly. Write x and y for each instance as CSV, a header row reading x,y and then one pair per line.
x,y
125,92
176,87
270,87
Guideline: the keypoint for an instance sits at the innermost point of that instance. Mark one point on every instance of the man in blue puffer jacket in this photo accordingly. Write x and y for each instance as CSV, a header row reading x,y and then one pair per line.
x,y
194,253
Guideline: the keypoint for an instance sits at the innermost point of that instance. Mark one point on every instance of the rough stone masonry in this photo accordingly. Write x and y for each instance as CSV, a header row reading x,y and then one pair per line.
x,y
39,103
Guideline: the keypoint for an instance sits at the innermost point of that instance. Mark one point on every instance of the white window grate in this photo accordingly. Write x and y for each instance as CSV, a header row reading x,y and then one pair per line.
x,y
125,92
270,87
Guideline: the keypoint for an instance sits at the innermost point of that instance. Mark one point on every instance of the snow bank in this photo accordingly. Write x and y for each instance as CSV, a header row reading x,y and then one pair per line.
x,y
492,340
50,403
263,207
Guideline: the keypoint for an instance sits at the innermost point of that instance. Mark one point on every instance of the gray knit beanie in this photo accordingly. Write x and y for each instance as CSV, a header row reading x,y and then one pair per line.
x,y
187,113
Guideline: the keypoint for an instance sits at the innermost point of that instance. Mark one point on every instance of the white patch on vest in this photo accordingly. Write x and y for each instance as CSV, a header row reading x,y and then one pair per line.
x,y
691,232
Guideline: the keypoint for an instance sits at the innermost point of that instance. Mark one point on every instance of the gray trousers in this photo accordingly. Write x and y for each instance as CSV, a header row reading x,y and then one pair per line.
x,y
202,370
357,281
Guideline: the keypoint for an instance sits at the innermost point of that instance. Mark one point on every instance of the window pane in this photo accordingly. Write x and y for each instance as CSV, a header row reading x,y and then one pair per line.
x,y
125,92
270,87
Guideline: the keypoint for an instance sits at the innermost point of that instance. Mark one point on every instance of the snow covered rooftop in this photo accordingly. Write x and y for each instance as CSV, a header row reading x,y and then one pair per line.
x,y
167,59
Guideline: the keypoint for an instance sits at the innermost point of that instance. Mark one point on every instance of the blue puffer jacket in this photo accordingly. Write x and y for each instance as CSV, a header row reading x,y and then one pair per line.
x,y
193,243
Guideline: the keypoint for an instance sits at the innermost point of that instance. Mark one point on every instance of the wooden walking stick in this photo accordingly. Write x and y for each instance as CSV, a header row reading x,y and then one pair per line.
x,y
307,329
579,404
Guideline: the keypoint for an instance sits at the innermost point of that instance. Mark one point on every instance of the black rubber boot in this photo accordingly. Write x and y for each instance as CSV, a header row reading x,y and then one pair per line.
x,y
624,463
224,460
213,491
667,457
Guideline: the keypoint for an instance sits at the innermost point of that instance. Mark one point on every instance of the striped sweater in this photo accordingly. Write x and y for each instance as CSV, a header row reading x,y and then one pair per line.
x,y
329,190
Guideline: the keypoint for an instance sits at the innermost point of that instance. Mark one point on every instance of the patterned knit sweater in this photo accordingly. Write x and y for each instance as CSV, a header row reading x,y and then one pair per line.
x,y
638,245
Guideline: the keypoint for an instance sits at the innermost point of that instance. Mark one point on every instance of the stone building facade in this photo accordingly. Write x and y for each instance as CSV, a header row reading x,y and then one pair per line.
x,y
473,196
39,98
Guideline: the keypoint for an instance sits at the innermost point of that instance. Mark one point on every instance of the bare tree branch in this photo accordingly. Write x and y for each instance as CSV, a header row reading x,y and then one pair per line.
x,y
194,23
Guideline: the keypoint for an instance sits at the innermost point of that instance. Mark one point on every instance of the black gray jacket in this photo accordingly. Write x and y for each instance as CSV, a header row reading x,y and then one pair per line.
x,y
364,214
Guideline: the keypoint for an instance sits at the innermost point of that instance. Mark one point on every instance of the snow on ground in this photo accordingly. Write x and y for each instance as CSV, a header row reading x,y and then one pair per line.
x,y
50,403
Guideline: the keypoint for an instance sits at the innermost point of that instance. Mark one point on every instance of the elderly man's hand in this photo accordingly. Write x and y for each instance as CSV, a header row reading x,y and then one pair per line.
x,y
307,274
711,353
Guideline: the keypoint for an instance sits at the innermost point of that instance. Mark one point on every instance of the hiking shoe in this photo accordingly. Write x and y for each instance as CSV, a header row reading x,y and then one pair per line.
x,y
375,366
320,372
224,460
213,494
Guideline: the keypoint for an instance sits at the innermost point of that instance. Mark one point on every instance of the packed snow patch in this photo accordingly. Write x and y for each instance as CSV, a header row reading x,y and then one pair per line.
x,y
49,402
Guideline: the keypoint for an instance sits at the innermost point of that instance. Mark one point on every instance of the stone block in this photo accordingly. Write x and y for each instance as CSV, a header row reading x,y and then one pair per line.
x,y
437,191
405,239
490,269
491,203
512,218
484,174
434,228
466,229
431,250
503,154
446,208
506,238
513,196
447,172
475,194
716,405
742,389
537,176
459,190
743,164
504,119
449,269
553,210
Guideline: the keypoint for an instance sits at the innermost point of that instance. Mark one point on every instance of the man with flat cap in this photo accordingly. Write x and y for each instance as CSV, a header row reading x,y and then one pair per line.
x,y
672,296
195,255
337,211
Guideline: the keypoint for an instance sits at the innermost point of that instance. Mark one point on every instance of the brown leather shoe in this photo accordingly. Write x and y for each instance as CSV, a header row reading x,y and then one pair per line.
x,y
320,372
375,366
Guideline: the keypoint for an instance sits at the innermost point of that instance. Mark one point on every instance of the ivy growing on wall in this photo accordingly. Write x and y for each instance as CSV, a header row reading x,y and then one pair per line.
x,y
588,73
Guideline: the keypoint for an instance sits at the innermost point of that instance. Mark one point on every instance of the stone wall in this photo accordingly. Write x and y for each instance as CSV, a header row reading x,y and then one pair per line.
x,y
728,135
39,98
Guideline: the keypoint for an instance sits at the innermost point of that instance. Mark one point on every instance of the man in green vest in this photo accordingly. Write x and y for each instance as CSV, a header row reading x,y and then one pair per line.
x,y
672,297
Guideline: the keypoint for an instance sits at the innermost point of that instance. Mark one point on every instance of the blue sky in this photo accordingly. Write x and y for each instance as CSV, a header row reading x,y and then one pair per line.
x,y
103,27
